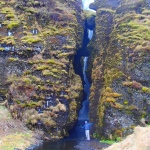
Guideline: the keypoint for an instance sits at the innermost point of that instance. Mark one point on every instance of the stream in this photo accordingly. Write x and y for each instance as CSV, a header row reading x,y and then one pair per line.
x,y
77,140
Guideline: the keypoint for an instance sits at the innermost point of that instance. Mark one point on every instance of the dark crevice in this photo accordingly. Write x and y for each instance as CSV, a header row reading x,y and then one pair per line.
x,y
78,68
81,52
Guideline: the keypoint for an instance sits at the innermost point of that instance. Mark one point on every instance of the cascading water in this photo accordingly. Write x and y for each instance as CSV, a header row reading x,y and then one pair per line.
x,y
78,132
83,114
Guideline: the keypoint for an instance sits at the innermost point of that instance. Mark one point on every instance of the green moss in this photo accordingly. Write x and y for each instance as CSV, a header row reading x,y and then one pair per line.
x,y
63,55
132,107
73,106
133,84
118,106
49,73
127,83
134,31
88,14
1,48
8,16
64,71
110,99
26,80
142,48
18,101
108,141
126,102
115,95
27,33
52,61
68,47
2,3
32,104
36,3
55,70
7,10
31,10
106,10
146,12
8,40
12,59
146,90
48,32
31,39
49,122
3,91
42,67
11,24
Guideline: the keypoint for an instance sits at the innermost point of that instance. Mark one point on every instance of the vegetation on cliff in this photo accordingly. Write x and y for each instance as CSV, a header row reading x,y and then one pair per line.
x,y
39,40
120,82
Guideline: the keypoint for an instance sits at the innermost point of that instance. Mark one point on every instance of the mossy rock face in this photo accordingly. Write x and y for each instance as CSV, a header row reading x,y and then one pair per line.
x,y
37,43
105,4
89,17
120,56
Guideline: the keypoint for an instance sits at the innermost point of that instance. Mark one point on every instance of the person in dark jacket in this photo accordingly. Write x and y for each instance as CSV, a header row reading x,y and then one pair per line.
x,y
87,127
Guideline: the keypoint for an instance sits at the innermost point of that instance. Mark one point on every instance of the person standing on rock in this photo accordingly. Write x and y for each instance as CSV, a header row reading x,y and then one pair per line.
x,y
87,127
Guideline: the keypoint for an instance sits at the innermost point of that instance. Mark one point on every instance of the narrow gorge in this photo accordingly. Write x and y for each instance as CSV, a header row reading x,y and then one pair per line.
x,y
66,61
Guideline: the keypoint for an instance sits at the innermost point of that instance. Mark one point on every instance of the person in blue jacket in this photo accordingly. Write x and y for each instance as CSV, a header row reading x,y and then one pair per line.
x,y
87,129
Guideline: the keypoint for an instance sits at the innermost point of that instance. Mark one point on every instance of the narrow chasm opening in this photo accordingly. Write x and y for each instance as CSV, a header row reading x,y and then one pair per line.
x,y
80,67
82,52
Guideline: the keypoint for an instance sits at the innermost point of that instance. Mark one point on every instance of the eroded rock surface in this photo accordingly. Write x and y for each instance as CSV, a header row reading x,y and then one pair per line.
x,y
38,41
120,71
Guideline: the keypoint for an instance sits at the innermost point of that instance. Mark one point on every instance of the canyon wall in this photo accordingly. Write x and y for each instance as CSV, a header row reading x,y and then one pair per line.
x,y
38,41
120,65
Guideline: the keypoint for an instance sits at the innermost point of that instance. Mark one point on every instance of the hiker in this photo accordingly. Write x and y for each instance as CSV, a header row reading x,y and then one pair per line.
x,y
87,129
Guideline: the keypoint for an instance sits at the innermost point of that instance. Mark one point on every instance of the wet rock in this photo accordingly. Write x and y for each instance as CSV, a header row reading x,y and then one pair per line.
x,y
46,138
91,145
90,22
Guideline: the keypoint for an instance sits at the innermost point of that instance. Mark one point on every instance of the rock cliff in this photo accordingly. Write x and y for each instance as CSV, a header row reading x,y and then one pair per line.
x,y
120,67
38,41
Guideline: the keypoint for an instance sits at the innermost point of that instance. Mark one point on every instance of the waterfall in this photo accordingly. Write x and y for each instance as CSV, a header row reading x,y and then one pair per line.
x,y
87,84
83,114
77,131
90,34
86,4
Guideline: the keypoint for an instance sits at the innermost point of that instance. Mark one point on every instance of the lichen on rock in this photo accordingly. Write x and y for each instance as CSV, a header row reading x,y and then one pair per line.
x,y
120,56
38,41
